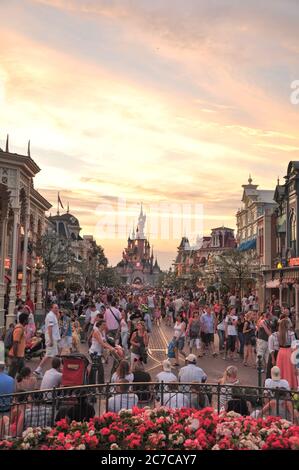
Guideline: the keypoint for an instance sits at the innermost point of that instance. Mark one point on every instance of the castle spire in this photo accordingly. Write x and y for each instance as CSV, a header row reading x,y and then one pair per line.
x,y
278,182
7,144
250,179
28,149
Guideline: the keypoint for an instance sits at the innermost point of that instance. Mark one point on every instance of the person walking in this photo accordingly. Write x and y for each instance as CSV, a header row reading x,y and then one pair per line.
x,y
179,338
52,337
17,351
249,340
139,343
193,332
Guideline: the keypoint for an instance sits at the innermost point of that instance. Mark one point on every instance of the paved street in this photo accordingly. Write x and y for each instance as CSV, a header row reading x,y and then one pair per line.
x,y
159,339
214,367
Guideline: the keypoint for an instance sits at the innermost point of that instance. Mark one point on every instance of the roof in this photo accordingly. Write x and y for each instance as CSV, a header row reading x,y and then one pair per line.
x,y
293,166
266,195
223,228
68,218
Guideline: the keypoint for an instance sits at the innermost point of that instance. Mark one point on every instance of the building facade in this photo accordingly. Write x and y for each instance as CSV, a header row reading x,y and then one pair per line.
x,y
282,278
255,222
137,265
85,259
197,261
22,223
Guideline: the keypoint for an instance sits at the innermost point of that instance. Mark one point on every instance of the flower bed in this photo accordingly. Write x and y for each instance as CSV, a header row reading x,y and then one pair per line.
x,y
162,429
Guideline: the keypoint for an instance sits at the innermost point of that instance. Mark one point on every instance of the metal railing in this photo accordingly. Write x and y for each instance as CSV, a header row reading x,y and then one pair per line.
x,y
43,408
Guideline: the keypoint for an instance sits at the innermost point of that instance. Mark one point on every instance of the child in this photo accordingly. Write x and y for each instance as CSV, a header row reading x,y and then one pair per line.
x,y
76,330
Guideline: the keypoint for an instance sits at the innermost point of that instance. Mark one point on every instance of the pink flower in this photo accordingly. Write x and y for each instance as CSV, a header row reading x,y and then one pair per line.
x,y
105,431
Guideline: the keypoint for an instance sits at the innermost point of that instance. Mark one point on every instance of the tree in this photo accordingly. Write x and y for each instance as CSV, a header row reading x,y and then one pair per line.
x,y
235,267
108,277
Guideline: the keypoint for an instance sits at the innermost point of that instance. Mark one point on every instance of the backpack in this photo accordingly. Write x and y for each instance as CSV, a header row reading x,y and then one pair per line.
x,y
8,341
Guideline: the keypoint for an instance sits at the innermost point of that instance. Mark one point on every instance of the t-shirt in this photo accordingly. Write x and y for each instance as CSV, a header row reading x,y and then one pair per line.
x,y
51,379
7,385
151,301
178,303
232,300
20,338
166,377
192,373
51,320
112,323
121,401
282,383
207,323
176,400
93,315
231,329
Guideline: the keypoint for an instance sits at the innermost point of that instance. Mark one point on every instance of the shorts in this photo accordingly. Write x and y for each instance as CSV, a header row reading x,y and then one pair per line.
x,y
52,351
207,338
231,343
180,343
250,340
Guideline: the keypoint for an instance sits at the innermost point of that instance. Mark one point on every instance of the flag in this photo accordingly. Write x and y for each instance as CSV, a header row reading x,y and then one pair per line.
x,y
60,202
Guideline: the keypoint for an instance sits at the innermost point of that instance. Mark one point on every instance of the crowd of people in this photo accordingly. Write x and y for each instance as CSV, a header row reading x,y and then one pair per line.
x,y
119,322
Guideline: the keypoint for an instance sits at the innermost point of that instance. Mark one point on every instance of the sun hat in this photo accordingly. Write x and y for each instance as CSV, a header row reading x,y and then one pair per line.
x,y
166,365
191,358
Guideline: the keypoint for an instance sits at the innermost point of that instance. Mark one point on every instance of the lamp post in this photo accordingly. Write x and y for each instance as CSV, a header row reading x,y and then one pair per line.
x,y
38,269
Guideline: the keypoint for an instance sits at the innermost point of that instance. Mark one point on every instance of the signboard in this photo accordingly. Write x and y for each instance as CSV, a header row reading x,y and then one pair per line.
x,y
7,263
294,262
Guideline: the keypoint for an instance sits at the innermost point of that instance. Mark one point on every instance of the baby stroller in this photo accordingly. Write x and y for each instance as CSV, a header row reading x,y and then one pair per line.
x,y
74,370
35,347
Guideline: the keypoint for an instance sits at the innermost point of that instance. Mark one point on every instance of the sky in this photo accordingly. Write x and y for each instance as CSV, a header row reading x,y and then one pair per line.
x,y
168,103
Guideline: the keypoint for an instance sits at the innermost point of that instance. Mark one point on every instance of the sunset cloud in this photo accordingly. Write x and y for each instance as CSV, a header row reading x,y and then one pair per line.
x,y
150,101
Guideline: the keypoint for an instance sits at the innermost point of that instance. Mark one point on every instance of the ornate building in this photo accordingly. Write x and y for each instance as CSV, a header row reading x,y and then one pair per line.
x,y
137,265
86,257
192,260
255,227
22,223
281,278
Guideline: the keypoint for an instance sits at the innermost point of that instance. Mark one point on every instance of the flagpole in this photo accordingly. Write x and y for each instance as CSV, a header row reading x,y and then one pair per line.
x,y
58,203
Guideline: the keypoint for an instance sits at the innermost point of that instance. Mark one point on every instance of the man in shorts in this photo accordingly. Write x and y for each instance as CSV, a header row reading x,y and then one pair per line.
x,y
208,325
52,337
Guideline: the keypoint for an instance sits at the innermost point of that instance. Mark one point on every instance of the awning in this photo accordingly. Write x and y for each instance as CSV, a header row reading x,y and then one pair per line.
x,y
273,284
248,245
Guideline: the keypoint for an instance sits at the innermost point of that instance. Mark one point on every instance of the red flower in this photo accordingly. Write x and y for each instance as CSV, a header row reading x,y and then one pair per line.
x,y
112,438
105,431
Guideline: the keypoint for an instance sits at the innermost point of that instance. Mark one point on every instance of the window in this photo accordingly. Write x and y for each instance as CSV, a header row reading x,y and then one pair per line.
x,y
261,241
293,230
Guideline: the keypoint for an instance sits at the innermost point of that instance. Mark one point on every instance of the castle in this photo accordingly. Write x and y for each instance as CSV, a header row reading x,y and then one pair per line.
x,y
137,265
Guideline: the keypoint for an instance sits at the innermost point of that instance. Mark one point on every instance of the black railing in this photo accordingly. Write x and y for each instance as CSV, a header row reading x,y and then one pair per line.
x,y
44,408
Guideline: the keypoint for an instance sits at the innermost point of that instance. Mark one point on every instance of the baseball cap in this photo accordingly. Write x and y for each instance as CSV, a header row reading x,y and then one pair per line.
x,y
275,373
191,358
166,365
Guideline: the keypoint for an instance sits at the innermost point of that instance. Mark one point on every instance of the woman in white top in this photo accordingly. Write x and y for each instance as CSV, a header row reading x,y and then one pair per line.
x,y
123,372
98,344
179,337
